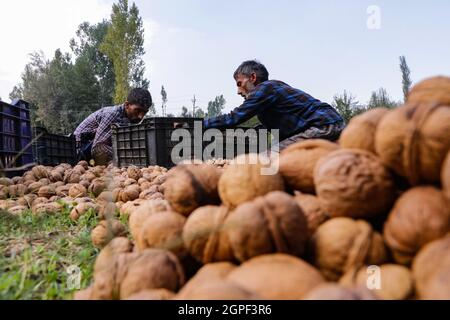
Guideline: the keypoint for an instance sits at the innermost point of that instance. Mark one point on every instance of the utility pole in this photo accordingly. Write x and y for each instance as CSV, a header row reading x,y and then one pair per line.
x,y
164,101
193,106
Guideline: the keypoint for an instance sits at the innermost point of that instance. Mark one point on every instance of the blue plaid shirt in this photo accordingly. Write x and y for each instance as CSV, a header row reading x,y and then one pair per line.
x,y
279,106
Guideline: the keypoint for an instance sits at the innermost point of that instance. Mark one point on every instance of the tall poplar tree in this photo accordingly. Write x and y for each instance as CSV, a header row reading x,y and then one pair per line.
x,y
124,46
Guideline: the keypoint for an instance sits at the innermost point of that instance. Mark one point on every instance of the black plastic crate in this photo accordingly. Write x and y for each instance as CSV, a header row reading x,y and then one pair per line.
x,y
150,143
15,134
52,149
130,145
240,140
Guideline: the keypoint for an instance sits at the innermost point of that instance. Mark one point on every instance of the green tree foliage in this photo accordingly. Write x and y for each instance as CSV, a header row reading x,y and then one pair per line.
x,y
185,112
61,93
57,114
199,113
346,105
380,98
64,90
216,106
34,86
86,48
16,93
406,77
124,46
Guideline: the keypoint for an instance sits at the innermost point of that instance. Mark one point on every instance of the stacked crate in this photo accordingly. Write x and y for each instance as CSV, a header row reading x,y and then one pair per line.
x,y
15,134
22,146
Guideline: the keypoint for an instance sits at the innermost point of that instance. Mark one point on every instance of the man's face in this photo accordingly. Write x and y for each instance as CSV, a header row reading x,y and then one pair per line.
x,y
245,84
135,113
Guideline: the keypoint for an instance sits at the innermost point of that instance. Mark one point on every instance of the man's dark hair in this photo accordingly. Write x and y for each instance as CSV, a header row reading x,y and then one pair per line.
x,y
140,97
248,67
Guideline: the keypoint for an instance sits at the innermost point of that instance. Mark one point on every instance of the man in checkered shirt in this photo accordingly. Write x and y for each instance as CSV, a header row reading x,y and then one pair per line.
x,y
296,114
93,135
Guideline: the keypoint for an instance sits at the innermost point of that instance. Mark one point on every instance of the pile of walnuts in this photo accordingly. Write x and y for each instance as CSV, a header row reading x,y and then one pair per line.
x,y
107,192
314,223
334,214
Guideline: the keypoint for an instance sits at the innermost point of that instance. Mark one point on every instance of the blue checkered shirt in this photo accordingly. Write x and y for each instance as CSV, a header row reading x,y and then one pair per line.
x,y
279,106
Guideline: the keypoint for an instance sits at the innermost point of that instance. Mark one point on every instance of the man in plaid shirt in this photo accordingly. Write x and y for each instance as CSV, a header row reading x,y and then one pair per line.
x,y
93,135
277,105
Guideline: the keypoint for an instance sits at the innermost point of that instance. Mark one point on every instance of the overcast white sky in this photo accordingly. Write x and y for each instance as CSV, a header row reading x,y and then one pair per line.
x,y
193,46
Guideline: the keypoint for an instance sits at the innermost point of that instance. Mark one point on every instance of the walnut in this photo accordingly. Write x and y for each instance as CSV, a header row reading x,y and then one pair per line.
x,y
313,210
40,172
279,222
445,176
5,182
98,186
420,216
360,132
208,273
79,169
130,193
34,187
105,231
108,196
4,192
189,187
163,230
6,204
354,183
46,208
396,282
245,179
17,210
84,164
27,200
56,176
63,190
431,269
85,184
77,191
413,140
276,277
142,212
47,191
205,236
107,210
297,163
153,269
134,173
72,176
343,245
81,209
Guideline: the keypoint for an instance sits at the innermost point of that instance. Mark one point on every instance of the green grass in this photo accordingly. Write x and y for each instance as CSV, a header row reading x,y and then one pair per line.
x,y
35,253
